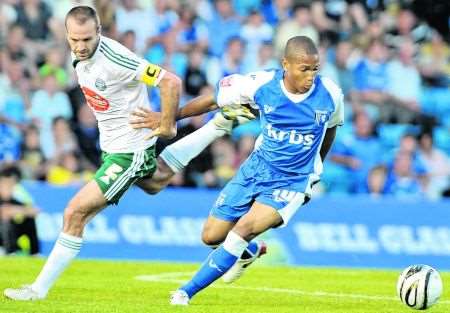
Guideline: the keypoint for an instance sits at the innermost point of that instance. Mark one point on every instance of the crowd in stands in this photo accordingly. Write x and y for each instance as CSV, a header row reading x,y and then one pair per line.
x,y
391,58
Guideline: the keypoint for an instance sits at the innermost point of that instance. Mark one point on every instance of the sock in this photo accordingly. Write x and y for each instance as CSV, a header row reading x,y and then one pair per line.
x,y
65,250
217,264
181,152
250,251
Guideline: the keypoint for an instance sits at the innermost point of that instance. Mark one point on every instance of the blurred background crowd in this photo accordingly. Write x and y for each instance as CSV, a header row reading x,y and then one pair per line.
x,y
391,58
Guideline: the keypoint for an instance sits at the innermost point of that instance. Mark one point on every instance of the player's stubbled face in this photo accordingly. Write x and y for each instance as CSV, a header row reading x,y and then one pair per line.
x,y
300,71
82,38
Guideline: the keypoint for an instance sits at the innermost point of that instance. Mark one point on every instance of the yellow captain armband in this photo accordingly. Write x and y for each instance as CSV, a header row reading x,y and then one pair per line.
x,y
151,74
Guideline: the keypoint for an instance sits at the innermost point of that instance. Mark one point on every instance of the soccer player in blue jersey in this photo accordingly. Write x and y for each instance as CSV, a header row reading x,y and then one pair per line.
x,y
299,113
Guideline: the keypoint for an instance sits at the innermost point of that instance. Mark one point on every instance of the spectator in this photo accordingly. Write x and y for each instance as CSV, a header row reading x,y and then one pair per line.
x,y
276,11
190,31
232,61
255,32
401,180
298,25
54,65
15,47
106,10
359,152
195,76
34,16
16,218
63,137
327,68
407,27
223,152
141,21
265,59
47,104
343,62
437,164
224,25
128,39
15,89
408,146
33,164
68,170
376,181
370,80
163,20
434,61
8,16
404,85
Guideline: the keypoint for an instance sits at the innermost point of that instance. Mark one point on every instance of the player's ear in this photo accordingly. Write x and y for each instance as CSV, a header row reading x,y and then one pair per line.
x,y
99,29
285,64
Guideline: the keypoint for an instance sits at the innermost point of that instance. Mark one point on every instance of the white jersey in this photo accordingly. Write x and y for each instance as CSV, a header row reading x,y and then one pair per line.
x,y
114,83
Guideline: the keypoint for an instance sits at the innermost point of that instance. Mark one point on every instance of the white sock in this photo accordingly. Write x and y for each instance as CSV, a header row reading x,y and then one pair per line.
x,y
235,244
65,250
181,152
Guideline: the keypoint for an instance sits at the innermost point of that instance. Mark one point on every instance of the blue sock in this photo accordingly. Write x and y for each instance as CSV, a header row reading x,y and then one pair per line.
x,y
250,250
217,264
252,247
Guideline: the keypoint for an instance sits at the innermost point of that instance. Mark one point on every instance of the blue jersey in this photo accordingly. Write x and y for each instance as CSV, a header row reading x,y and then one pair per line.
x,y
281,171
293,125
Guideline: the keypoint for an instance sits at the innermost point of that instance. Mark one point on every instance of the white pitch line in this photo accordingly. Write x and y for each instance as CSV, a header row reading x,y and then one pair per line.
x,y
174,277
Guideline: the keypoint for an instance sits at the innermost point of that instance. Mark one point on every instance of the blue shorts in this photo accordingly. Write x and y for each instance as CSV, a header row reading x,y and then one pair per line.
x,y
257,181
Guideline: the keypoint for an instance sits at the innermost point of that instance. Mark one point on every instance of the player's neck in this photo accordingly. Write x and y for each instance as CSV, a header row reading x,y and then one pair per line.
x,y
289,88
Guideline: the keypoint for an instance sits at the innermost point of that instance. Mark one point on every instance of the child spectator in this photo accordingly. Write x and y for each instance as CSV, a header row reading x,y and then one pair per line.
x,y
16,217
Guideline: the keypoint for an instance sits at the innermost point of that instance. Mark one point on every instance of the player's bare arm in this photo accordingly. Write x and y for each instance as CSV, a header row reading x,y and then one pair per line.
x,y
327,142
145,118
170,86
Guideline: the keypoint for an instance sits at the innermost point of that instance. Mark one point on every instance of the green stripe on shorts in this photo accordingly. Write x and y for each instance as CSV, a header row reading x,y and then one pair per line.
x,y
120,170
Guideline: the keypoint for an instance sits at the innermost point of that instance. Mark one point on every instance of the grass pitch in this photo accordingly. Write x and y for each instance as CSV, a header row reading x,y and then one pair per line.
x,y
131,287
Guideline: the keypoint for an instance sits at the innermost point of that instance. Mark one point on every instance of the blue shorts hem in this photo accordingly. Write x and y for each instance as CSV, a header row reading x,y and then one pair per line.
x,y
224,218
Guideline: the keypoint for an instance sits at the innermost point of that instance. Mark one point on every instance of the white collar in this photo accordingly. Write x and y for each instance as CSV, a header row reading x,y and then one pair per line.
x,y
296,97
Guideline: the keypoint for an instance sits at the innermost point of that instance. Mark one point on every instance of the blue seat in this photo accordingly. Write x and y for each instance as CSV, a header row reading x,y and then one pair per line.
x,y
441,137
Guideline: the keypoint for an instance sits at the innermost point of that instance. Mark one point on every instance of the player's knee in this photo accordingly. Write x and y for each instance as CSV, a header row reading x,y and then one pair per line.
x,y
153,189
211,239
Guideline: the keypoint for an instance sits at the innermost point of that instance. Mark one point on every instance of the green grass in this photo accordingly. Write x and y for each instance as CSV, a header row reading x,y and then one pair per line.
x,y
111,286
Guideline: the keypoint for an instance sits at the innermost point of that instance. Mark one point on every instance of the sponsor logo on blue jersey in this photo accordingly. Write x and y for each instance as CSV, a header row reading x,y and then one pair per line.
x,y
293,137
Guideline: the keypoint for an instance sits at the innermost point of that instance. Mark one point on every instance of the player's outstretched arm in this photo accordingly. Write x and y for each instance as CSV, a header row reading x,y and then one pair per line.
x,y
198,106
170,87
144,118
327,142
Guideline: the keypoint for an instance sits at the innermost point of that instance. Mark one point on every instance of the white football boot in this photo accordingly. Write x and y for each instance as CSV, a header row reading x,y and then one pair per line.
x,y
237,270
228,117
24,293
179,297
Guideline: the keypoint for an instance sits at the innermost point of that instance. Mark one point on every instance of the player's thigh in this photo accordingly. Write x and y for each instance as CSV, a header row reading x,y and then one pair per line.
x,y
215,230
257,220
159,180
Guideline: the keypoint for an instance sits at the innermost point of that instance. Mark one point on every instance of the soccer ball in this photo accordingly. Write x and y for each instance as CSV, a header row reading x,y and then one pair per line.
x,y
419,286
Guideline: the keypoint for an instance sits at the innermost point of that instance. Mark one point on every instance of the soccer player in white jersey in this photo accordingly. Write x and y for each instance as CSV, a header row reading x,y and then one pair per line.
x,y
299,114
113,80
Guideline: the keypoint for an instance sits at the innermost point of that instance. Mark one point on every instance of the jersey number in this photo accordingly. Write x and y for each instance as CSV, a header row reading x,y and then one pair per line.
x,y
111,173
